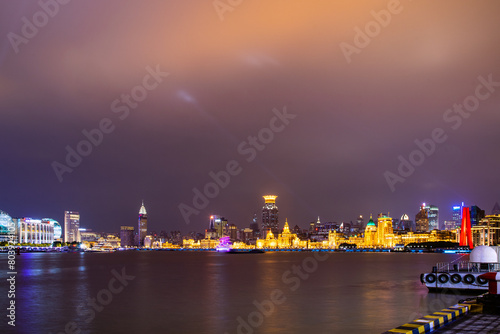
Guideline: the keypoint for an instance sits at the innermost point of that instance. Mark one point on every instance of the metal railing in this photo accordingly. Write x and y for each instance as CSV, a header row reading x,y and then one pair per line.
x,y
466,266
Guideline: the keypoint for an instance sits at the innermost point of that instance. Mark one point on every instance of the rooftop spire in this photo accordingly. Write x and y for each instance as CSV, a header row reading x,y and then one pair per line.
x,y
142,211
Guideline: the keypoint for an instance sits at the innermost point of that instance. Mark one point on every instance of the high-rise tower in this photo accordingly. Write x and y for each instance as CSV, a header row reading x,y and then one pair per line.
x,y
142,229
269,215
71,226
422,220
433,216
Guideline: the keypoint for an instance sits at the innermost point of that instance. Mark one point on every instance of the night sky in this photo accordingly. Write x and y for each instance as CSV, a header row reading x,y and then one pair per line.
x,y
355,83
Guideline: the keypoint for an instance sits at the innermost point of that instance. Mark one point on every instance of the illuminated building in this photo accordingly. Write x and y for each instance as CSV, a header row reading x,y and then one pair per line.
x,y
370,234
247,235
219,224
232,232
457,213
7,227
487,231
210,233
270,221
35,231
361,222
450,225
421,220
286,238
384,231
147,241
126,236
209,243
255,224
142,226
432,216
71,226
476,214
88,235
57,228
405,223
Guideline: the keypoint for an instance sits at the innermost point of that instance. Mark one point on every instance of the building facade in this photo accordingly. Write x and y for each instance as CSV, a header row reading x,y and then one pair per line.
x,y
57,228
384,231
35,231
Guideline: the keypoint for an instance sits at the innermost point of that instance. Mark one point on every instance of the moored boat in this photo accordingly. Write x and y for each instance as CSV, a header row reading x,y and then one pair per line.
x,y
463,275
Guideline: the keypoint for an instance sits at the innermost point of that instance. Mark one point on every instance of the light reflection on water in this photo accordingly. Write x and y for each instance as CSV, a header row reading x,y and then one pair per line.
x,y
187,292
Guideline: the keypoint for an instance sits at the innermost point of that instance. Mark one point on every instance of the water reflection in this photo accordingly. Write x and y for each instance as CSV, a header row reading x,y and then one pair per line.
x,y
185,292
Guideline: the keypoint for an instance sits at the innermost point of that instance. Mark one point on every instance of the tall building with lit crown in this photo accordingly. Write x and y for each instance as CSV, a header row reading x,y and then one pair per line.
x,y
71,226
270,216
422,220
142,223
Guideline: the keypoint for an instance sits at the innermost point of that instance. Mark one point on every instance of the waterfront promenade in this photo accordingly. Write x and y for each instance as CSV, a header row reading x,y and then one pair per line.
x,y
473,324
468,317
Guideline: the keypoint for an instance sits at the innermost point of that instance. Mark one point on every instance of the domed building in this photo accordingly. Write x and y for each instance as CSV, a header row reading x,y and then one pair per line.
x,y
7,226
371,233
405,223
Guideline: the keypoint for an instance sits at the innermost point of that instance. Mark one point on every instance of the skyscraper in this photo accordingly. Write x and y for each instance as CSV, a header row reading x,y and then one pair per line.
x,y
432,216
255,224
269,216
422,220
360,222
71,226
142,229
218,224
126,236
457,213
476,214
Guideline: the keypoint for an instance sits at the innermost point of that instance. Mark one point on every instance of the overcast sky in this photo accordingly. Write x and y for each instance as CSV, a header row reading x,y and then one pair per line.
x,y
178,87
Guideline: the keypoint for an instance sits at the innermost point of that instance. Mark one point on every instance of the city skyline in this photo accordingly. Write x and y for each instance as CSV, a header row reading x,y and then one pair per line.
x,y
144,221
340,108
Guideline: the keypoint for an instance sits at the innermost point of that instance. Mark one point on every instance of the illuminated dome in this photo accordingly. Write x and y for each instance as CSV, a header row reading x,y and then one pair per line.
x,y
405,217
5,222
483,254
370,222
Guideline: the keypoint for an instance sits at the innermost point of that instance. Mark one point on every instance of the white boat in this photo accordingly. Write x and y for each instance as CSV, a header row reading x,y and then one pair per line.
x,y
464,275
103,248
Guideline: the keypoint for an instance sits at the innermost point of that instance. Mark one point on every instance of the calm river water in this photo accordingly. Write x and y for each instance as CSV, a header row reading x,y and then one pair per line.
x,y
207,292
